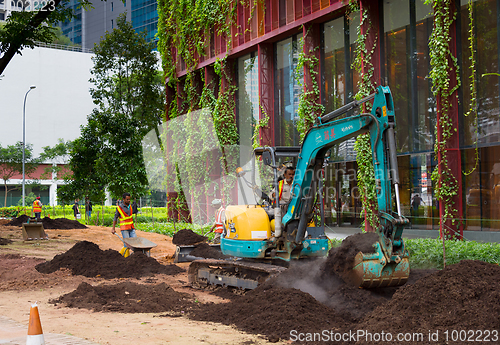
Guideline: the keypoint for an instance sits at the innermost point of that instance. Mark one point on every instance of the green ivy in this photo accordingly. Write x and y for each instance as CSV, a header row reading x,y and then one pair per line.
x,y
473,86
184,29
363,65
442,62
309,108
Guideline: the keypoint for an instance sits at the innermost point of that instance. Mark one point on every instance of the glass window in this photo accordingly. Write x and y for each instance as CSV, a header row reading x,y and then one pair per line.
x,y
486,53
287,90
482,189
396,31
248,103
334,76
425,121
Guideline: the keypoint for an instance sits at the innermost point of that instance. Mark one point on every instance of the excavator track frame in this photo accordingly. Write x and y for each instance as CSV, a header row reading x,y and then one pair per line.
x,y
239,274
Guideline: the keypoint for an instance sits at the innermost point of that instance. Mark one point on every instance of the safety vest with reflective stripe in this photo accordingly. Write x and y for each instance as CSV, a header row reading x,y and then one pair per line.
x,y
126,221
219,227
37,208
280,187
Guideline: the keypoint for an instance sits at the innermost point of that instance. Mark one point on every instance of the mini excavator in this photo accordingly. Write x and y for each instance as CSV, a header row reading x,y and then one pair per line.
x,y
262,240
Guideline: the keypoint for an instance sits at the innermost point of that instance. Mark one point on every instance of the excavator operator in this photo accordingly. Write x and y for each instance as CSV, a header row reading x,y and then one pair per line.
x,y
285,189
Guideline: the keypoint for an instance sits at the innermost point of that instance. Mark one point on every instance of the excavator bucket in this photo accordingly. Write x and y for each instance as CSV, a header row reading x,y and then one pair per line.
x,y
34,231
372,270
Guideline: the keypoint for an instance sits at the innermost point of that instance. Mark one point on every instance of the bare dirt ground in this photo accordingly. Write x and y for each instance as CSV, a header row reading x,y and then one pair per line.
x,y
21,284
78,279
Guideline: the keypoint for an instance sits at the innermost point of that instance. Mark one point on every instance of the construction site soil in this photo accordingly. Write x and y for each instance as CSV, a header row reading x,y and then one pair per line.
x,y
87,259
204,250
49,223
305,299
186,237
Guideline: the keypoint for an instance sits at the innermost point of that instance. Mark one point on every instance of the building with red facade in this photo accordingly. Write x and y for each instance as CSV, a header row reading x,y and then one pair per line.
x,y
263,48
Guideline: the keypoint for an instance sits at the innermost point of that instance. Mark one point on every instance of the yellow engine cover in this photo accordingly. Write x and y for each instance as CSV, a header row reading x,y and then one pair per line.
x,y
250,222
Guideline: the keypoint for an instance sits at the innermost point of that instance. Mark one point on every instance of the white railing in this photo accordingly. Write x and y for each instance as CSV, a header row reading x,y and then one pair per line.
x,y
63,47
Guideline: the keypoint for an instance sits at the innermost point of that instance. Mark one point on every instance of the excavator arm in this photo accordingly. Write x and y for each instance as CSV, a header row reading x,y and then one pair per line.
x,y
390,254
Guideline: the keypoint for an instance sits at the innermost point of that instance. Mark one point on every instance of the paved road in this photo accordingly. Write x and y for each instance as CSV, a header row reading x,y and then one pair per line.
x,y
15,333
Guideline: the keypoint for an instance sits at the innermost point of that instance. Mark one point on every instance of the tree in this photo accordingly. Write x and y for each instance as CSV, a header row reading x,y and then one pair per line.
x,y
11,163
62,39
23,28
85,181
128,94
57,154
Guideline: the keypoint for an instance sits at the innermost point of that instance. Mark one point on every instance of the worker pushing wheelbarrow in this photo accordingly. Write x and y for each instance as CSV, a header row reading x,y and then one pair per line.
x,y
124,212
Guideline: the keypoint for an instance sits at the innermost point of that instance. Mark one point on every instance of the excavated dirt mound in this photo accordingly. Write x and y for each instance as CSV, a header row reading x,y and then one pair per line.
x,y
62,224
87,259
351,302
204,250
187,237
49,223
126,297
461,297
19,220
272,311
341,259
4,241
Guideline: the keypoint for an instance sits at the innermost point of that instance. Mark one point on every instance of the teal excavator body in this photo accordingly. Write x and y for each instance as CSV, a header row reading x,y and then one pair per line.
x,y
260,233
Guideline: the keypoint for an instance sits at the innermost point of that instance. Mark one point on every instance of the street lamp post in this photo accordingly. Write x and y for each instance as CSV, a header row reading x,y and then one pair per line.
x,y
24,135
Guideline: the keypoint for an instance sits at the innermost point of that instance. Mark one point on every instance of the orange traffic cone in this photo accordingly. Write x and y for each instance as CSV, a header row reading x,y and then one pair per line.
x,y
35,334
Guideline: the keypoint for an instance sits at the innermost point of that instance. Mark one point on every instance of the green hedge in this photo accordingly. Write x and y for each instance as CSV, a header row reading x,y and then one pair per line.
x,y
428,253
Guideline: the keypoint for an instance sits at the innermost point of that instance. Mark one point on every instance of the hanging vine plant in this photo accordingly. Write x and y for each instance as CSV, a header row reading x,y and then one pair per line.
x,y
442,62
473,86
309,108
364,67
184,29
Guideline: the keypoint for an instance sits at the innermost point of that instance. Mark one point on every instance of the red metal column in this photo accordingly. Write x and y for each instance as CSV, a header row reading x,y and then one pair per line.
x,y
228,80
453,147
371,27
266,91
170,169
312,41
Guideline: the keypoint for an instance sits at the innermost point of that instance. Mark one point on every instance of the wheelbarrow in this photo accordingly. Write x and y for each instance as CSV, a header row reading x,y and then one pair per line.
x,y
138,244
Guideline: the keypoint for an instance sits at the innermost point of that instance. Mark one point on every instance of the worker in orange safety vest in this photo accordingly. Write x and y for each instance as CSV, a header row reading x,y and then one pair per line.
x,y
285,189
218,227
37,208
124,212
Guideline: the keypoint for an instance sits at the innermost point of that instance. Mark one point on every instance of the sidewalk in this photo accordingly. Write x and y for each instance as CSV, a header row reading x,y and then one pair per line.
x,y
15,333
333,232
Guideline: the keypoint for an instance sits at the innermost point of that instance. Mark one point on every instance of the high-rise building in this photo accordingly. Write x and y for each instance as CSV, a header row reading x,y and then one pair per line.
x,y
145,17
89,26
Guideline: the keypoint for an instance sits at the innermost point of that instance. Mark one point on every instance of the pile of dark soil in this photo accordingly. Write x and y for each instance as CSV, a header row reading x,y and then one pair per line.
x,y
272,311
187,237
204,250
341,259
126,297
18,221
87,259
62,223
4,241
462,297
49,223
350,302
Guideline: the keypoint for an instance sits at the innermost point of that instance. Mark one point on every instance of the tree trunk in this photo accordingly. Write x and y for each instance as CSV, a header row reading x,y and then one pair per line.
x,y
36,21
